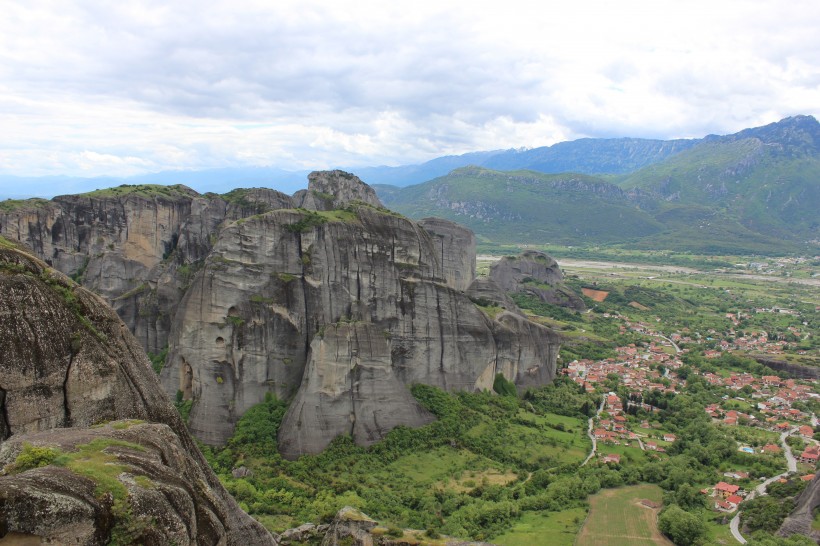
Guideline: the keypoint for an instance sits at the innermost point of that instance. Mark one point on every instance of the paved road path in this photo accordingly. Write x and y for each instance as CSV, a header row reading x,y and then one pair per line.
x,y
590,424
791,463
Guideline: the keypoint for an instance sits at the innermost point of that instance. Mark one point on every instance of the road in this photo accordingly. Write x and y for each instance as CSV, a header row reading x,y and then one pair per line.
x,y
791,463
675,345
590,424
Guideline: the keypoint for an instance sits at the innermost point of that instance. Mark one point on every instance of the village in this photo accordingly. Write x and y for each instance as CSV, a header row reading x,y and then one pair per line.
x,y
766,411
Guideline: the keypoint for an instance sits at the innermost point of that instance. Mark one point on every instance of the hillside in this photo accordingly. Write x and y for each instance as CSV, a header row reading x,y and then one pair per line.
x,y
572,209
528,207
756,192
586,155
767,179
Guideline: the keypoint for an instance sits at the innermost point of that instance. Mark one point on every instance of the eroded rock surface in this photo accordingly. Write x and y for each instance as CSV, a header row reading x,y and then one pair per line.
x,y
455,246
70,363
238,288
801,519
535,273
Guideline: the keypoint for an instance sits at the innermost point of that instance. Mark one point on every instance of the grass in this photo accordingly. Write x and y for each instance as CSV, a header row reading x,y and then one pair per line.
x,y
617,518
544,528
10,205
142,190
433,466
716,532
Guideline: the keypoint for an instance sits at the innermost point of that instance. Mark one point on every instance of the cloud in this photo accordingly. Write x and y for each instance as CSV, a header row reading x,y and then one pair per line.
x,y
118,88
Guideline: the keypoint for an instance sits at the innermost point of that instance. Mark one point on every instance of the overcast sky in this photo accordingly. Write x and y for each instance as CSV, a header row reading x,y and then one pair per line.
x,y
128,87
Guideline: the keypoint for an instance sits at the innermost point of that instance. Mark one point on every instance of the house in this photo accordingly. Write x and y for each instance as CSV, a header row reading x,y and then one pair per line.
x,y
806,431
809,457
726,490
736,474
599,433
669,438
807,477
652,446
612,458
771,449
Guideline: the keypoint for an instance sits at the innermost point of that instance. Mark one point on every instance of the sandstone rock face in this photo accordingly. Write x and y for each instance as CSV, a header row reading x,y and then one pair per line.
x,y
239,288
68,361
349,385
331,190
273,283
135,246
535,273
168,492
455,246
800,520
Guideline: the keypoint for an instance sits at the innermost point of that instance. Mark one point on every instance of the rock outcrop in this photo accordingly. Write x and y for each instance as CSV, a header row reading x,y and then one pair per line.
x,y
331,190
455,246
535,273
801,519
69,364
136,246
351,527
275,282
349,385
325,298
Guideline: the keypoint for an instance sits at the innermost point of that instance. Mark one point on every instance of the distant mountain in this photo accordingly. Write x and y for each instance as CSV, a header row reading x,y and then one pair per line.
x,y
528,207
590,156
587,155
755,191
767,179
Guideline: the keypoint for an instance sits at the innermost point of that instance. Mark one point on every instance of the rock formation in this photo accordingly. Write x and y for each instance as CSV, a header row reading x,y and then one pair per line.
x,y
801,519
353,528
70,365
325,298
136,246
535,273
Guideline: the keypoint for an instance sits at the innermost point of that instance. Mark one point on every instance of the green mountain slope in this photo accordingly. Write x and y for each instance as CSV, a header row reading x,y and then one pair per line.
x,y
765,179
524,206
754,191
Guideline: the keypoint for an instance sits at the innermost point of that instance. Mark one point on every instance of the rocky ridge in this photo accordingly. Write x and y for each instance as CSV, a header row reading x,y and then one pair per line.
x,y
92,452
326,298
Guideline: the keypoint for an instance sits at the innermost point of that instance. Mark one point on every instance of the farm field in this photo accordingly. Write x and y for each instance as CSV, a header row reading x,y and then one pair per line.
x,y
618,518
547,529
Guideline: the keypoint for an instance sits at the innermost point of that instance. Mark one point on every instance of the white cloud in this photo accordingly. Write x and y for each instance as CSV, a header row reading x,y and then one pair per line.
x,y
117,88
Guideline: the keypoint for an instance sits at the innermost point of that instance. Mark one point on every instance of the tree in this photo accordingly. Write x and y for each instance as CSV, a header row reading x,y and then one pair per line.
x,y
680,526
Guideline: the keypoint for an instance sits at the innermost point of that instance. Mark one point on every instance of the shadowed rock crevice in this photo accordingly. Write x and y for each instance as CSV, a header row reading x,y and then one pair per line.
x,y
5,427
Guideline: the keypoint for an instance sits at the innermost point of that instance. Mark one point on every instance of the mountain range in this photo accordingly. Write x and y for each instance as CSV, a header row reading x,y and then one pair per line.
x,y
754,191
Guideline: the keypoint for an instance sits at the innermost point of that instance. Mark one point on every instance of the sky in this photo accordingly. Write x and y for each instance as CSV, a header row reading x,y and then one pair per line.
x,y
113,88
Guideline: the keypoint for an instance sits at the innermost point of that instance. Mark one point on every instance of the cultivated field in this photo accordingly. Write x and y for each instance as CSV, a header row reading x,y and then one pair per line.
x,y
618,517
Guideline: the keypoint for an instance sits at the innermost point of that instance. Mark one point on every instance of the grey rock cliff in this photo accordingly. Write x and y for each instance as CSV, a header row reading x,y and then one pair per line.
x,y
136,246
238,288
331,190
801,519
349,385
68,364
273,283
535,273
455,246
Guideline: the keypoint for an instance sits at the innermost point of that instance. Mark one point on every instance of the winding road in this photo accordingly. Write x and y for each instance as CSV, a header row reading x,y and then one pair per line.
x,y
791,463
590,424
